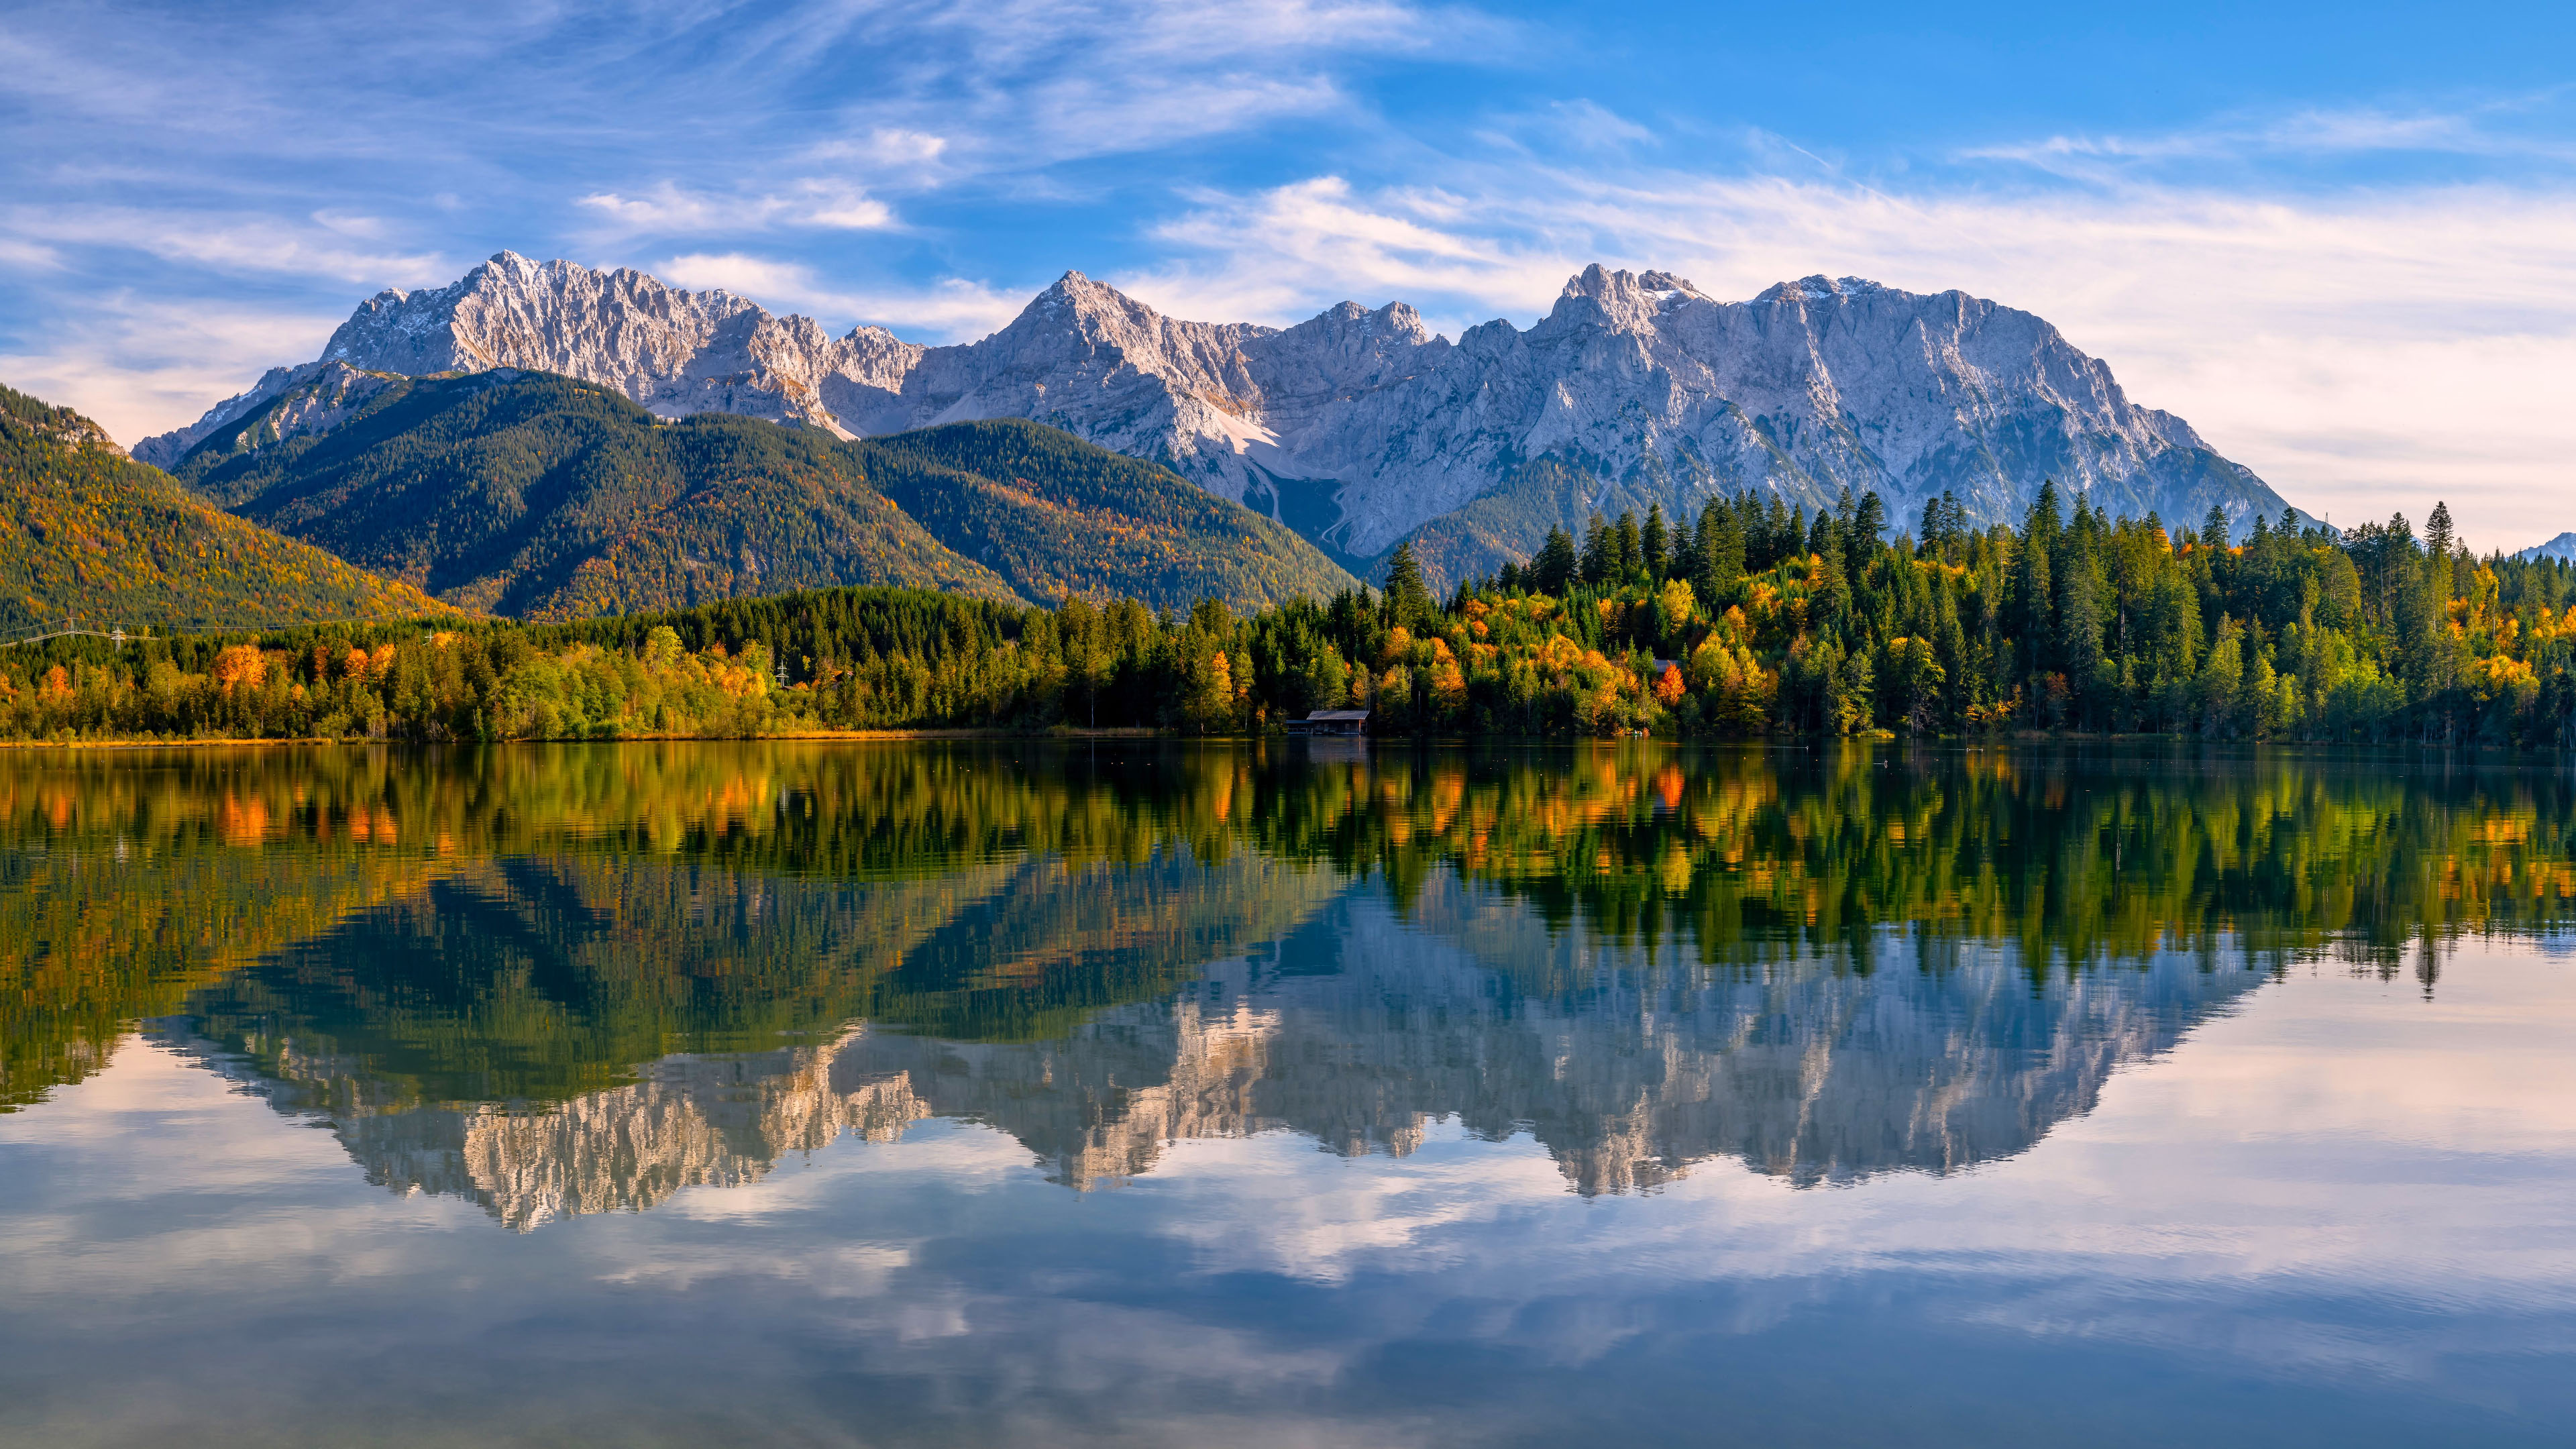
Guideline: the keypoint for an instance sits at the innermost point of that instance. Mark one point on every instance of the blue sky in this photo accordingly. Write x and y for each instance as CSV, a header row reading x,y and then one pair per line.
x,y
2338,239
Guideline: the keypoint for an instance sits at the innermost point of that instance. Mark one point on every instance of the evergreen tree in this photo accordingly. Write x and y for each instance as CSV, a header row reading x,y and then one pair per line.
x,y
1600,552
2042,525
1408,599
2034,600
1869,521
1782,530
1556,564
1717,550
1655,547
2079,587
1943,524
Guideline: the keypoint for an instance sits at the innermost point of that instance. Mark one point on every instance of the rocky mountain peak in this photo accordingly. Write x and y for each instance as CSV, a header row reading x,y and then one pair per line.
x,y
1078,302
1621,301
1821,288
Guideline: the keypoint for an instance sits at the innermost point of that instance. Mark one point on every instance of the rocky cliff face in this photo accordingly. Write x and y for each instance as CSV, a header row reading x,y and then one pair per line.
x,y
1360,427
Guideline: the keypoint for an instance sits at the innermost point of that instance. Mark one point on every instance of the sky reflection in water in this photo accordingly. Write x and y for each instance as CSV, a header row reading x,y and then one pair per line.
x,y
808,1094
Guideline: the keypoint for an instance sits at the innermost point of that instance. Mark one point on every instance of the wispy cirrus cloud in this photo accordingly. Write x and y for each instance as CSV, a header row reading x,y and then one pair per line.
x,y
2482,131
227,241
1018,85
667,210
951,309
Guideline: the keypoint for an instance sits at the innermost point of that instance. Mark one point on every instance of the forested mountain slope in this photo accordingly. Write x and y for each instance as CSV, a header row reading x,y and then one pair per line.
x,y
88,535
540,496
534,495
1056,515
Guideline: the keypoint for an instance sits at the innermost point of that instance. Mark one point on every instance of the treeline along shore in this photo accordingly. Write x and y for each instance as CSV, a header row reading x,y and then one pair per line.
x,y
1753,620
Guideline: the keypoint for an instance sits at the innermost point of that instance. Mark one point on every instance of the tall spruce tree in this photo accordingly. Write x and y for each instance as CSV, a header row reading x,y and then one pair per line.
x,y
1869,521
1408,601
1556,564
1600,551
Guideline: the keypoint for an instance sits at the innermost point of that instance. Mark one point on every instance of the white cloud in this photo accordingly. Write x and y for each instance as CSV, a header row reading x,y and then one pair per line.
x,y
951,309
1280,255
350,224
885,149
1014,86
785,284
231,242
143,367
16,253
2302,135
1568,125
667,210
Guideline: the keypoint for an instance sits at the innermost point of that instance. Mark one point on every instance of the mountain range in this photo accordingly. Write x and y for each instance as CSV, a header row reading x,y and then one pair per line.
x,y
1360,428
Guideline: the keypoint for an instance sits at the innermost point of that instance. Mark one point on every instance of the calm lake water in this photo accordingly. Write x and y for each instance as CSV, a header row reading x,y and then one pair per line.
x,y
824,1094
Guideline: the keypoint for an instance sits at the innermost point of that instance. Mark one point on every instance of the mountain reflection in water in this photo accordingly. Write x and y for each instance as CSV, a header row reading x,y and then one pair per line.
x,y
574,980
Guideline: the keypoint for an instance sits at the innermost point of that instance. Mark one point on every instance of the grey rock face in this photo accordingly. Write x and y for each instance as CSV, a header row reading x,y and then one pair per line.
x,y
1361,426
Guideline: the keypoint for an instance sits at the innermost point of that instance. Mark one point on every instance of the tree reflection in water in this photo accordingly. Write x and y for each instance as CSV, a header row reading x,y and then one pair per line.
x,y
570,979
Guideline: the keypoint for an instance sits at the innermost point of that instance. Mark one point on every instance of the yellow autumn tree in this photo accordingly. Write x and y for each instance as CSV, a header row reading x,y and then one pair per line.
x,y
240,666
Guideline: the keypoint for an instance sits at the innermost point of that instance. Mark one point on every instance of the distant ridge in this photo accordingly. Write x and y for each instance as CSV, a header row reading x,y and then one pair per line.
x,y
2563,548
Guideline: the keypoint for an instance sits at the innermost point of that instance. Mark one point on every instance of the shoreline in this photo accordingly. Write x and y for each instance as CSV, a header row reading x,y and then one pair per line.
x,y
1140,732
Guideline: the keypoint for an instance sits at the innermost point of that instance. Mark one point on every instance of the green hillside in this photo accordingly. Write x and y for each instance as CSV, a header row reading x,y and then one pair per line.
x,y
537,496
87,535
1057,516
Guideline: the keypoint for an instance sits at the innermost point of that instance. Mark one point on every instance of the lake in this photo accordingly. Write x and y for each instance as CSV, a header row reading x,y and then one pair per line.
x,y
813,1093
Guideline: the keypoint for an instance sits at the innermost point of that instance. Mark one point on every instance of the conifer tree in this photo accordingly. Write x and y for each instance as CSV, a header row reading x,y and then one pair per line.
x,y
1555,565
1600,551
1869,520
1408,599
